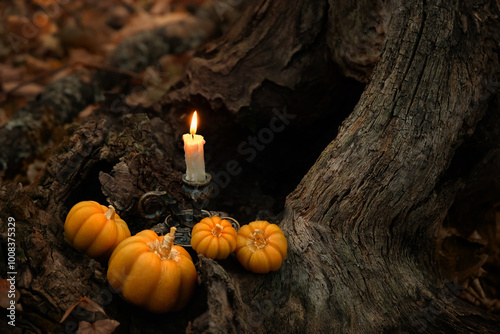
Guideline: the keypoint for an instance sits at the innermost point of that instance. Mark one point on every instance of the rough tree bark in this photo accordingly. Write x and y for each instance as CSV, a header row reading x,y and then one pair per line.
x,y
363,223
379,193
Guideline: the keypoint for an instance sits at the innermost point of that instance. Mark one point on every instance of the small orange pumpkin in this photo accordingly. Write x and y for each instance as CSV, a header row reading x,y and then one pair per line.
x,y
94,229
214,237
151,272
261,247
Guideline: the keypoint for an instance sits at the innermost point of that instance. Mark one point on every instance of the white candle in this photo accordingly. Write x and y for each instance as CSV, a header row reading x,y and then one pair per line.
x,y
193,148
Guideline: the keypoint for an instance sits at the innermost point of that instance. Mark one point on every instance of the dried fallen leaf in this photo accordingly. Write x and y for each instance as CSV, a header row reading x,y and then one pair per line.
x,y
10,74
143,20
28,90
34,169
91,305
6,295
48,44
105,326
21,28
3,114
80,55
87,111
86,304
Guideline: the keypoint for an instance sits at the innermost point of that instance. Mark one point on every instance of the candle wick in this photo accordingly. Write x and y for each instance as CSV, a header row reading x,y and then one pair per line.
x,y
192,136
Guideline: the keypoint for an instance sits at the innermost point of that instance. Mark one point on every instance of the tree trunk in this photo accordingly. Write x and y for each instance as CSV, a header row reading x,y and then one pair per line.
x,y
364,225
378,194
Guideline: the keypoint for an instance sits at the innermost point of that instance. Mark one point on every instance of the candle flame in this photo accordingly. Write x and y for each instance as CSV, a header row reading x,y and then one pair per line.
x,y
194,123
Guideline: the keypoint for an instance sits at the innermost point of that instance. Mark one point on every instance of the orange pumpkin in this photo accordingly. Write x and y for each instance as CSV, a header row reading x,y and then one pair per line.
x,y
151,272
94,229
214,237
261,247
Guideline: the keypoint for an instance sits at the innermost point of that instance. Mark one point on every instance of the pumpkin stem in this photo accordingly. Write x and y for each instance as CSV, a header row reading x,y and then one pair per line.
x,y
168,241
164,249
217,230
257,240
110,214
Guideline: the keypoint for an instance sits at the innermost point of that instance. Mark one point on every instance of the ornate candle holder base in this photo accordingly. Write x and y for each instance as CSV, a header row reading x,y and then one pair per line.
x,y
186,223
183,220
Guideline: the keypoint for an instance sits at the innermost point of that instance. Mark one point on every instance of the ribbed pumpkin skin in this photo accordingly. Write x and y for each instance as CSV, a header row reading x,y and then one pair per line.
x,y
147,281
90,231
261,247
214,237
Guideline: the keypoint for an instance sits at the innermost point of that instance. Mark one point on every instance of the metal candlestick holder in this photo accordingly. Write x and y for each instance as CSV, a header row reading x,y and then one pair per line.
x,y
198,190
155,204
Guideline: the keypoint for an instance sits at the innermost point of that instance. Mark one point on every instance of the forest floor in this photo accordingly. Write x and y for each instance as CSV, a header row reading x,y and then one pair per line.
x,y
43,40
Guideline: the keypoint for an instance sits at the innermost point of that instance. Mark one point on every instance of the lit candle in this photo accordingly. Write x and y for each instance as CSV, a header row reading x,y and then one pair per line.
x,y
193,148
